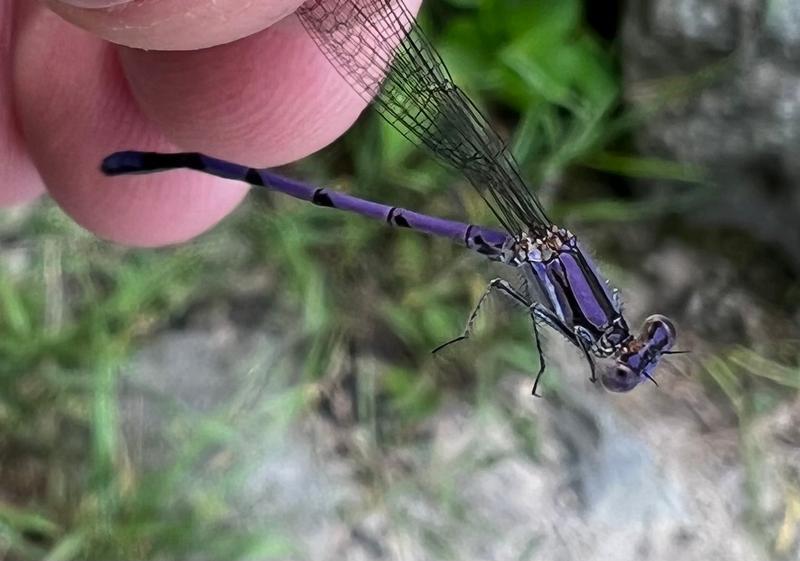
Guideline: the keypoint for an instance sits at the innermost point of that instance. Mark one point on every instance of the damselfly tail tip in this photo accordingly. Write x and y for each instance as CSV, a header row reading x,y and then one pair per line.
x,y
121,163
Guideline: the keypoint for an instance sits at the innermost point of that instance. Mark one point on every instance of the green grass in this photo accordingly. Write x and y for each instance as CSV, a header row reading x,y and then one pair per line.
x,y
79,494
755,385
74,311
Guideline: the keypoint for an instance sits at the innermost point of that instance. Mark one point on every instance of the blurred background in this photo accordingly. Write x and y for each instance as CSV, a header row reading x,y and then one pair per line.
x,y
268,391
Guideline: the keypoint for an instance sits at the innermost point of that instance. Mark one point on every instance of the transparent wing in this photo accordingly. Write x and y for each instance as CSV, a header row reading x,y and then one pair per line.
x,y
379,50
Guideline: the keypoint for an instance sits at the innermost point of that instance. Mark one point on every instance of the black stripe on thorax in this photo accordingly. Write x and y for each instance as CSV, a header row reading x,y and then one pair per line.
x,y
598,292
579,318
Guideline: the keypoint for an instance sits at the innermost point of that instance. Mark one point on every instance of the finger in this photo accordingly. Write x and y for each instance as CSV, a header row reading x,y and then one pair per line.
x,y
19,181
175,24
74,108
265,100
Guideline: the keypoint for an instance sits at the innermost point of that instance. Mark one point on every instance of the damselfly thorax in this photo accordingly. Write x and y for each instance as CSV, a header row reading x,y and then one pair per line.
x,y
559,276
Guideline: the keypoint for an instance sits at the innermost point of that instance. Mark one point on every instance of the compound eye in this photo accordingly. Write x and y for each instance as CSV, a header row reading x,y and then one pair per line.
x,y
620,379
660,328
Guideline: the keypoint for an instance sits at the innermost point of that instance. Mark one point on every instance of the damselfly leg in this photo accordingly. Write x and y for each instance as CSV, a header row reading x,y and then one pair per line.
x,y
498,284
541,356
537,311
584,344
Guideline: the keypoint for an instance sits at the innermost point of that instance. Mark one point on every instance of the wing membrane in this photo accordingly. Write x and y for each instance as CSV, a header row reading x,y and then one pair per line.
x,y
380,51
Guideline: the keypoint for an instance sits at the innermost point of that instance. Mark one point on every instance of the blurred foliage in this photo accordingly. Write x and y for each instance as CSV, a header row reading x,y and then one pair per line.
x,y
755,385
74,310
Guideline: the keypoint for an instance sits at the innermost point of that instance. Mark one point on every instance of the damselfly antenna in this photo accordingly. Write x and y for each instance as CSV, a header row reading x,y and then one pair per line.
x,y
649,377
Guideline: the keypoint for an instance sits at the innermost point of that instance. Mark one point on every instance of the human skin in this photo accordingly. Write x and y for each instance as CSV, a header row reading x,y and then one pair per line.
x,y
233,78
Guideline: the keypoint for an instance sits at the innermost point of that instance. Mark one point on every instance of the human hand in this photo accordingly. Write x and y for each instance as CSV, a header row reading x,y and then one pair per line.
x,y
223,78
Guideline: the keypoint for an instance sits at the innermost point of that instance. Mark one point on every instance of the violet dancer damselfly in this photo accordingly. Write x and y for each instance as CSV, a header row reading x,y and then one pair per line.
x,y
385,57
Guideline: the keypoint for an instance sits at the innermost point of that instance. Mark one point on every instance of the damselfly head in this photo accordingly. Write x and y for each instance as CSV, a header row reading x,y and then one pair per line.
x,y
637,360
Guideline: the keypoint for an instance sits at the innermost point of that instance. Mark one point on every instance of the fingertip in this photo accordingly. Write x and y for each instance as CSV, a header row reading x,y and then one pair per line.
x,y
93,4
176,24
19,181
74,109
265,100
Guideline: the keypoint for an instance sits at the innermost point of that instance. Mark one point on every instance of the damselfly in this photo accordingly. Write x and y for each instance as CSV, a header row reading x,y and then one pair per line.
x,y
385,57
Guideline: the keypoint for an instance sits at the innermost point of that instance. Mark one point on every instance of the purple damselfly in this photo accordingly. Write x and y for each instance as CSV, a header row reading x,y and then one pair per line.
x,y
386,58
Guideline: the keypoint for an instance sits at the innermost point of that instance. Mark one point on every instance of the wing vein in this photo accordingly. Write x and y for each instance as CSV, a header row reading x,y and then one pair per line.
x,y
380,51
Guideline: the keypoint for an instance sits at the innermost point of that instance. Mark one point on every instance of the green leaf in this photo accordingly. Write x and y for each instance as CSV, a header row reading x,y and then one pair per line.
x,y
13,308
644,167
22,520
68,548
726,379
763,367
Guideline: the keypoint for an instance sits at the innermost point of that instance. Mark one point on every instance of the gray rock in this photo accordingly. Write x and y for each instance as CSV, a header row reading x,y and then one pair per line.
x,y
744,126
638,477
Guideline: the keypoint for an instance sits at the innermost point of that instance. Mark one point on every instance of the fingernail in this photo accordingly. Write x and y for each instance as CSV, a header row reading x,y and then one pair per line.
x,y
94,3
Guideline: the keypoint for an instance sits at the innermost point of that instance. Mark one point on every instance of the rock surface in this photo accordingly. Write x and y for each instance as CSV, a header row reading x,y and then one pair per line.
x,y
744,123
647,476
